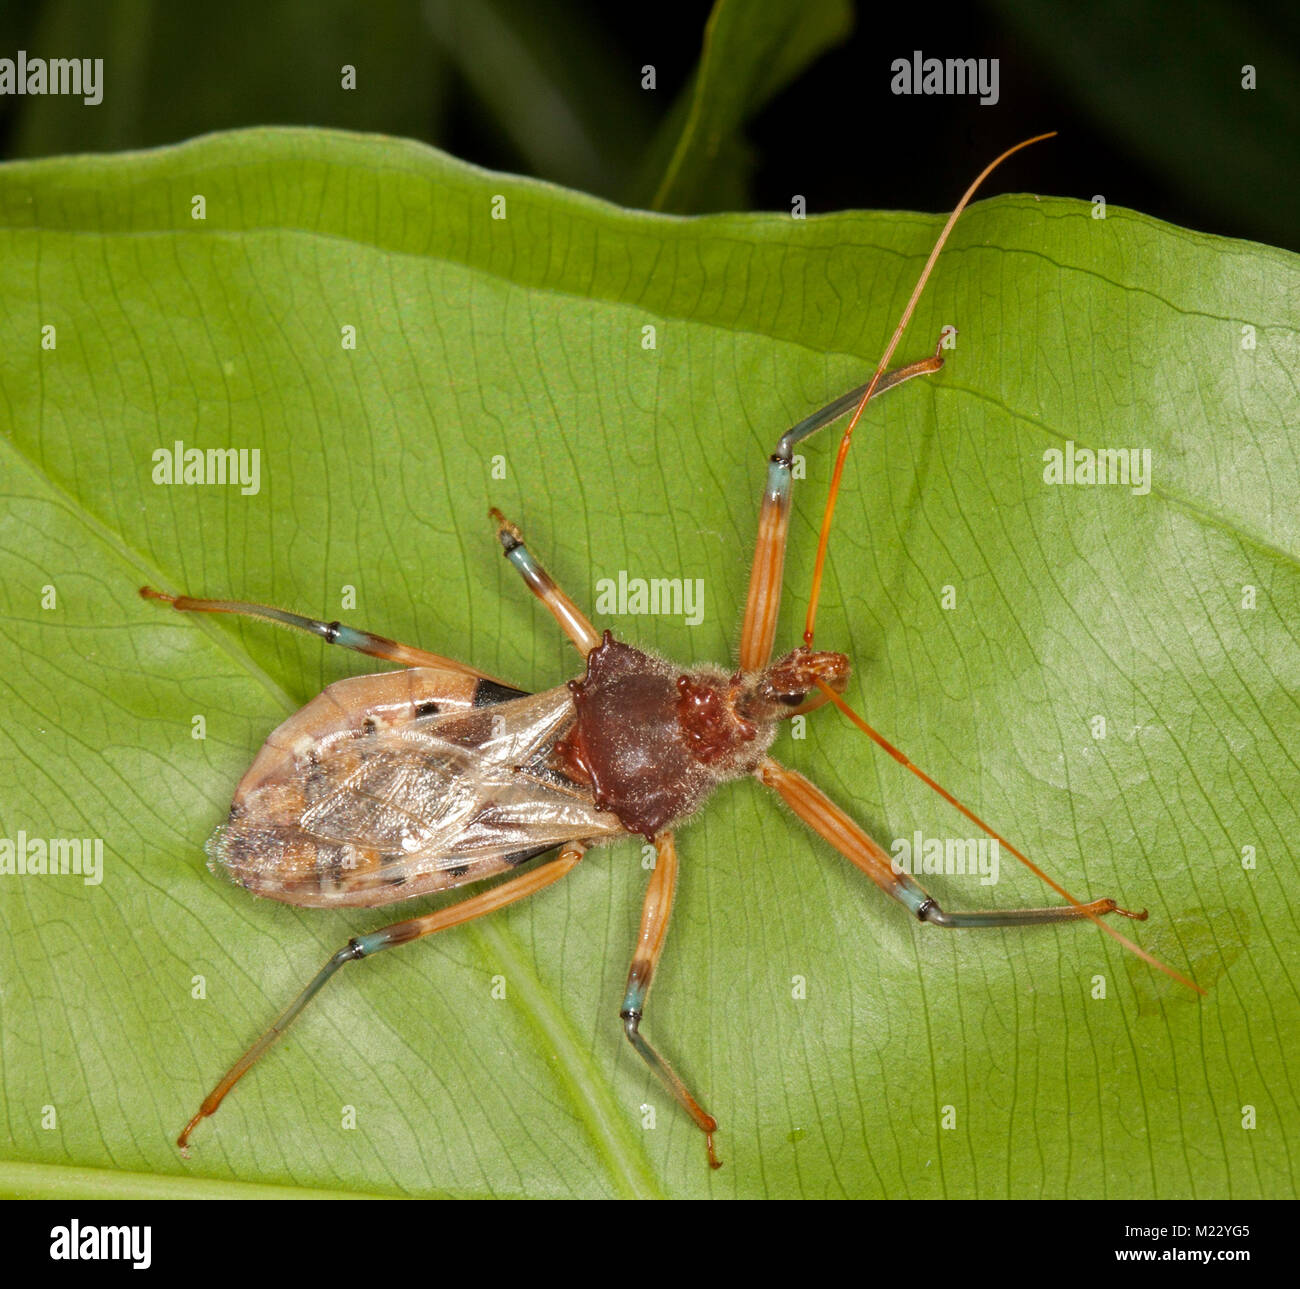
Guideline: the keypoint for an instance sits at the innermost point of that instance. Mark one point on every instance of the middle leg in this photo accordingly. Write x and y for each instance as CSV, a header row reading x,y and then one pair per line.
x,y
655,913
571,618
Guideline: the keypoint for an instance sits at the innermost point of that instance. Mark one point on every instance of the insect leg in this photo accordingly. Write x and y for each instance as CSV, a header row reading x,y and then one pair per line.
x,y
334,633
655,913
541,584
764,598
824,817
364,946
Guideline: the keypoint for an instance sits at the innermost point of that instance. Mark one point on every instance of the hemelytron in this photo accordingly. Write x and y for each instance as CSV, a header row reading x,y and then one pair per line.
x,y
391,786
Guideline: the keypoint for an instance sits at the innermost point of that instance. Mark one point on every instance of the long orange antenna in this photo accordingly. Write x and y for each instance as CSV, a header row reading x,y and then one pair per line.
x,y
1024,859
824,538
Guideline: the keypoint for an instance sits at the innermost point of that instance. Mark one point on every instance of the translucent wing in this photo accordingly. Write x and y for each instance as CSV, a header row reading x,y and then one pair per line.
x,y
379,803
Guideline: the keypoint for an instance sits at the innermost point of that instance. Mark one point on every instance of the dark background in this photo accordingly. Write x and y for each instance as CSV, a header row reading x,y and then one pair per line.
x,y
1147,96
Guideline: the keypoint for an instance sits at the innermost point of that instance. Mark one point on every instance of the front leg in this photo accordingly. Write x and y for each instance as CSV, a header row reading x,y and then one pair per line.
x,y
826,819
655,913
764,600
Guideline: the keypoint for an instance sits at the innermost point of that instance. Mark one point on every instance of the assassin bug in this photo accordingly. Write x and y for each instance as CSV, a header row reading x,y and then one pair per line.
x,y
391,786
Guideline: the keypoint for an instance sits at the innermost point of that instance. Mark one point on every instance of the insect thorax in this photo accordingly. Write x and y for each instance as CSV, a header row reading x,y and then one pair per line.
x,y
653,741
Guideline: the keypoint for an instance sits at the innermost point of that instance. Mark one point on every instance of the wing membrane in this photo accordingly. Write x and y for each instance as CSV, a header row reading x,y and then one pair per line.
x,y
371,813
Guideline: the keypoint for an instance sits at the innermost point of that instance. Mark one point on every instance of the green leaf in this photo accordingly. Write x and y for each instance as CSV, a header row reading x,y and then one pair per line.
x,y
752,50
517,343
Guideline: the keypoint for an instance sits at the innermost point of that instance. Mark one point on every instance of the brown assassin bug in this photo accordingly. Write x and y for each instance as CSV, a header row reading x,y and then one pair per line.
x,y
391,786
